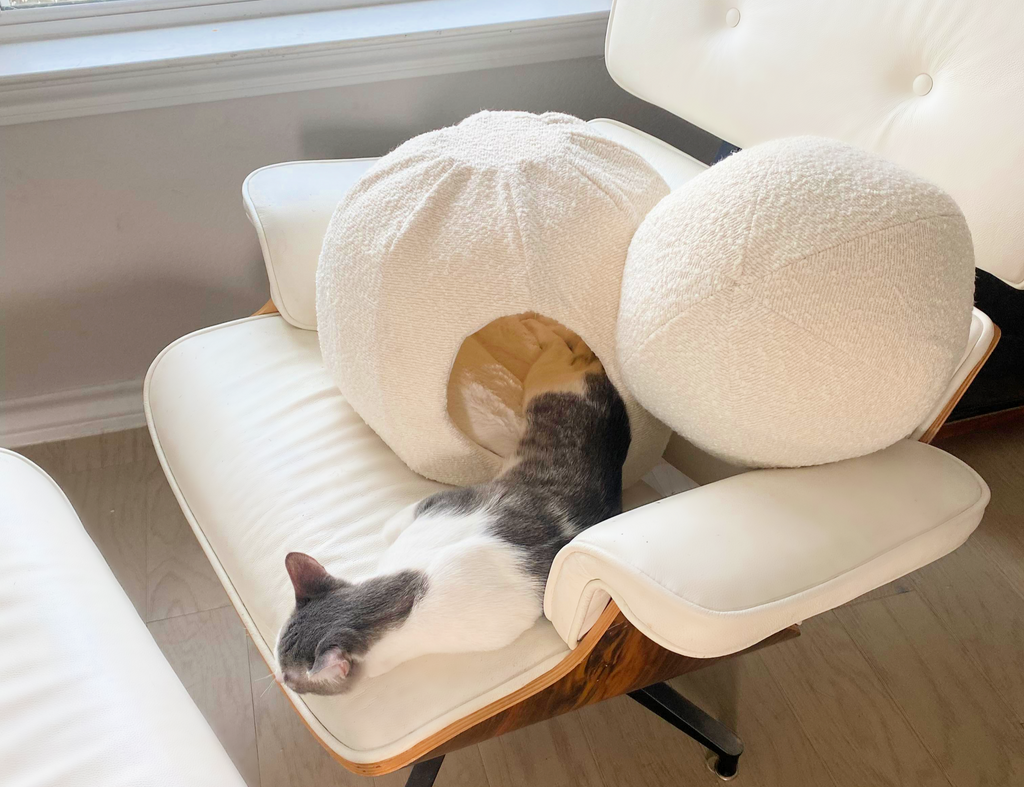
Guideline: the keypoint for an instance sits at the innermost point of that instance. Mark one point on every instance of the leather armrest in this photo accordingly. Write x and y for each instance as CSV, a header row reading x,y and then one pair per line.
x,y
290,205
716,569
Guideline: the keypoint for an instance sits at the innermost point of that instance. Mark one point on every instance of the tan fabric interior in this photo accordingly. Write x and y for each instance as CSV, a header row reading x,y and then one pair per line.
x,y
496,364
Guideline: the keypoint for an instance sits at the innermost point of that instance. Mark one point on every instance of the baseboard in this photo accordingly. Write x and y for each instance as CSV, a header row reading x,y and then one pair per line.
x,y
1007,417
68,414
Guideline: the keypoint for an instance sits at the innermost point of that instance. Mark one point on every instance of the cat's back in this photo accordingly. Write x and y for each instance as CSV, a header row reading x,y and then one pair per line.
x,y
434,530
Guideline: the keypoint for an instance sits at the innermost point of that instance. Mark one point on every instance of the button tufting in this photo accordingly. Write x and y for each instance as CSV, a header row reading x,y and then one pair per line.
x,y
732,17
922,84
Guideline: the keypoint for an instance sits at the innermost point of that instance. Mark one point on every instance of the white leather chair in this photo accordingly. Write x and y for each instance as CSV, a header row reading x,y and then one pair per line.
x,y
86,697
266,457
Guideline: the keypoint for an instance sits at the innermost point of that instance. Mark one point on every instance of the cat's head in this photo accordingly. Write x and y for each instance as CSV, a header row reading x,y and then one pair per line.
x,y
320,645
335,623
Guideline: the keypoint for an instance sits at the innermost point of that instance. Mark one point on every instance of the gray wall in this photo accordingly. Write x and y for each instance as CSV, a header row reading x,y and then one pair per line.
x,y
121,232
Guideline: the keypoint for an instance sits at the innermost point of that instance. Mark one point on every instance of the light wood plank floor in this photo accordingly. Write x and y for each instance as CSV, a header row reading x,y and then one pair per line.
x,y
917,683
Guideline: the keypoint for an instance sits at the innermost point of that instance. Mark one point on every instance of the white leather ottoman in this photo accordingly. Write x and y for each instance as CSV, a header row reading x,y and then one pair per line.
x,y
86,696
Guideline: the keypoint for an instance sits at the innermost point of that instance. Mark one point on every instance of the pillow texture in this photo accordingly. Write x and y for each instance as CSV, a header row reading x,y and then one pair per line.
x,y
800,302
505,213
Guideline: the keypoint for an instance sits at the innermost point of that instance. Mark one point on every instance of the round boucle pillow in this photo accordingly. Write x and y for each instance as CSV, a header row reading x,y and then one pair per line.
x,y
800,302
505,213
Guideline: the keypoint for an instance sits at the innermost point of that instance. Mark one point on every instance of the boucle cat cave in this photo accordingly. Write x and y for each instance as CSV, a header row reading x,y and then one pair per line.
x,y
799,303
505,213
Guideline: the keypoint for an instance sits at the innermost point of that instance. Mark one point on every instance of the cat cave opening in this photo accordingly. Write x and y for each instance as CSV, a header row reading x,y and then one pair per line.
x,y
501,366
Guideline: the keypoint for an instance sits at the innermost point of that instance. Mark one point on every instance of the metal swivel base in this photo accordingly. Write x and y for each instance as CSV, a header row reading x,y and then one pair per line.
x,y
723,745
724,748
424,773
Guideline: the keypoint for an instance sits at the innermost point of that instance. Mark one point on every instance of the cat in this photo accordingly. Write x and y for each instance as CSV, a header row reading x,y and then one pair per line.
x,y
465,569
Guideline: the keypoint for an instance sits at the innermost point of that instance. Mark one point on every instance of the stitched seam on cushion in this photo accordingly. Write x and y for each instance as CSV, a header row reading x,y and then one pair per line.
x,y
768,170
22,459
416,210
895,375
522,245
743,256
598,551
619,148
846,353
616,201
804,258
386,259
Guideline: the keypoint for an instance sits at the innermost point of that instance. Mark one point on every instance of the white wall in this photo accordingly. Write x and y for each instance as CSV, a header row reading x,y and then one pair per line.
x,y
121,232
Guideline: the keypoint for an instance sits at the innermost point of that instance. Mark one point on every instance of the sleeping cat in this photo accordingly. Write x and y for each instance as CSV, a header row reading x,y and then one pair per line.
x,y
465,569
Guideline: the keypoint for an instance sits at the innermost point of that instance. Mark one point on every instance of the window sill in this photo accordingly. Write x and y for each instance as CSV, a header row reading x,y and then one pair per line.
x,y
137,69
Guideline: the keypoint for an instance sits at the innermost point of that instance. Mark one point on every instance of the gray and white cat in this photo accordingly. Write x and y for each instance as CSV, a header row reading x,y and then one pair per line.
x,y
465,569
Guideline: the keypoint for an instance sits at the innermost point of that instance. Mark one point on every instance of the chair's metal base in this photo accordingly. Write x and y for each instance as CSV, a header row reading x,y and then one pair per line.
x,y
424,773
723,745
682,714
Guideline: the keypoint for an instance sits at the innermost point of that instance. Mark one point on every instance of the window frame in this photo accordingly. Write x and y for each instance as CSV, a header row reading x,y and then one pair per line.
x,y
48,75
19,23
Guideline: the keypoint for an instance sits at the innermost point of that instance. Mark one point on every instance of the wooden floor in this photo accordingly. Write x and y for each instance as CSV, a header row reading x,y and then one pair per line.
x,y
919,683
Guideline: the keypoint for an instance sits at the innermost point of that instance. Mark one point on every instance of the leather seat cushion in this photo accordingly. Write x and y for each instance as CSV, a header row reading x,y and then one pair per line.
x,y
266,457
86,696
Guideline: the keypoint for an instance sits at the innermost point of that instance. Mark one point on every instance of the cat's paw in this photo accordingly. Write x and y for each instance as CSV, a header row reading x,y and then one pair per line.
x,y
562,365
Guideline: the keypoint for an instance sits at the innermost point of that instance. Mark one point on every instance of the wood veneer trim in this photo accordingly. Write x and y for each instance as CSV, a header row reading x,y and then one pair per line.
x,y
266,308
932,430
622,661
538,684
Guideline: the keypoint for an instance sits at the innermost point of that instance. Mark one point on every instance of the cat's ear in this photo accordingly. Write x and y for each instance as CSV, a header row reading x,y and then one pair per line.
x,y
331,664
309,578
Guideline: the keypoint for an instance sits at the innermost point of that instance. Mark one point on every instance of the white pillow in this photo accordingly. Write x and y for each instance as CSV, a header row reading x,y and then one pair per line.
x,y
505,213
801,302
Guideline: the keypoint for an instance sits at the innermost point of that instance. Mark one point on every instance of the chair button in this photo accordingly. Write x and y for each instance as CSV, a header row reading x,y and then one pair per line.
x,y
732,17
922,84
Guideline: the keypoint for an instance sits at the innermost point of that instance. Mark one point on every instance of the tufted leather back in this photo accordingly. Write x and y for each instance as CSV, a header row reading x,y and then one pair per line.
x,y
934,85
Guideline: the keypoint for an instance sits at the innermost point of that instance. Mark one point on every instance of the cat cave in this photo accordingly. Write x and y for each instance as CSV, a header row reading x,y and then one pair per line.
x,y
504,214
761,311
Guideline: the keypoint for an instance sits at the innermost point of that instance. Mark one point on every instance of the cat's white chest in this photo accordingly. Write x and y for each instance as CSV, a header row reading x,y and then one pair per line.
x,y
478,595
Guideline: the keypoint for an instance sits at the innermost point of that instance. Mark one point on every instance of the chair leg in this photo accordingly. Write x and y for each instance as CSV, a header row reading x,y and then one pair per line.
x,y
682,714
424,773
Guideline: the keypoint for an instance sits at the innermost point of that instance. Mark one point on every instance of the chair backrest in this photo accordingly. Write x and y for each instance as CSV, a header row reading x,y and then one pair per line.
x,y
934,85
